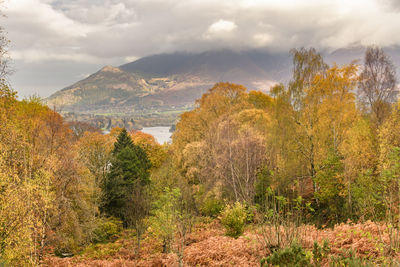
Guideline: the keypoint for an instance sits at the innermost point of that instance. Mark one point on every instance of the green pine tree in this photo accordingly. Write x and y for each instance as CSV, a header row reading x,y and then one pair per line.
x,y
129,171
123,141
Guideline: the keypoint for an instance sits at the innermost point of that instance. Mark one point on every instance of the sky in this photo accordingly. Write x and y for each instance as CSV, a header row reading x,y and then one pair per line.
x,y
54,43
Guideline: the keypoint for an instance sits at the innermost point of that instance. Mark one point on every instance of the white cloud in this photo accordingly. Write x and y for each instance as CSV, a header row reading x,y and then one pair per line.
x,y
221,29
37,13
222,26
130,58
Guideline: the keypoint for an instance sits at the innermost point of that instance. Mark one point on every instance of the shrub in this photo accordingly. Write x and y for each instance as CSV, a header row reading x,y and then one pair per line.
x,y
349,259
293,256
251,213
233,218
320,253
101,251
107,229
212,206
208,203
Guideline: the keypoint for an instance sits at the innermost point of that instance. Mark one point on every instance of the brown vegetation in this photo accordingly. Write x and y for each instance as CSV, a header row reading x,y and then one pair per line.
x,y
208,246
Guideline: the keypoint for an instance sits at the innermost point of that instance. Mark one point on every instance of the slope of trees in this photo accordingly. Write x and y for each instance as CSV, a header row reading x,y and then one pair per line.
x,y
309,139
51,194
49,191
313,151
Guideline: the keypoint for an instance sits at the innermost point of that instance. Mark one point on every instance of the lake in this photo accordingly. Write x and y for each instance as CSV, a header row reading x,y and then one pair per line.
x,y
160,133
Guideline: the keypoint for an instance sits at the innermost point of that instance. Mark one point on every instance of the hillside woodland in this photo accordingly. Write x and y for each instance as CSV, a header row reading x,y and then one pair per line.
x,y
306,175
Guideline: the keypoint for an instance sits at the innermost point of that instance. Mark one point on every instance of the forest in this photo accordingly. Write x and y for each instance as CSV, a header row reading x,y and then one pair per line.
x,y
305,175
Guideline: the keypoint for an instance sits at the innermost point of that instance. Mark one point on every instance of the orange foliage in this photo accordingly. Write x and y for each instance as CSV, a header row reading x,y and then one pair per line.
x,y
208,246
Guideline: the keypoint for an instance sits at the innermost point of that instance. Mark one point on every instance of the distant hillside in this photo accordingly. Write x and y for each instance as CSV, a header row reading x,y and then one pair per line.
x,y
162,86
168,81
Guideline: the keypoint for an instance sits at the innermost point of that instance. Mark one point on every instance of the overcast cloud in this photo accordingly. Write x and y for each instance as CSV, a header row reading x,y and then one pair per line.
x,y
57,42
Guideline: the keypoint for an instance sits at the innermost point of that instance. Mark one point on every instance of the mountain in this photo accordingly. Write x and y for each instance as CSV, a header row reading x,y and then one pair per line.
x,y
168,81
154,89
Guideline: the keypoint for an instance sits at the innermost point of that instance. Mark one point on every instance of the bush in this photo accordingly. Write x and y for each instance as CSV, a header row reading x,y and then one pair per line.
x,y
251,214
107,229
349,259
101,251
208,203
320,253
212,206
233,218
293,256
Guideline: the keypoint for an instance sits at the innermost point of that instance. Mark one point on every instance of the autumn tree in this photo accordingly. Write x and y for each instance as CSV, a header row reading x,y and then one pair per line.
x,y
156,153
79,128
4,56
307,64
171,221
44,177
359,150
377,86
95,152
223,98
389,148
227,155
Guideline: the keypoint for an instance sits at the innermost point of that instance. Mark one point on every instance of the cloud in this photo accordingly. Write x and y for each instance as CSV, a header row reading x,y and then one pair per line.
x,y
222,26
111,32
391,5
110,29
130,58
262,39
221,29
37,55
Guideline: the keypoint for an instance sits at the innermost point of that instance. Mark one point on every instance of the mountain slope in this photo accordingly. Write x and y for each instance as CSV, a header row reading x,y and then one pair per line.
x,y
167,82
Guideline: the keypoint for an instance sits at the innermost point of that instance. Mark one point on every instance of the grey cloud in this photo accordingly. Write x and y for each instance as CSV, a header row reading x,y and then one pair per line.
x,y
391,5
105,32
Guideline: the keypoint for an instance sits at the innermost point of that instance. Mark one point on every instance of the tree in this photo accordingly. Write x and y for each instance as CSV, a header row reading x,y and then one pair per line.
x,y
329,177
156,153
377,84
223,98
171,221
123,141
46,196
95,152
307,65
79,128
4,56
360,158
165,217
389,148
129,170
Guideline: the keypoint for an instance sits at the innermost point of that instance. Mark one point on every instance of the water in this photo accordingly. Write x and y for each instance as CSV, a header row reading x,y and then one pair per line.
x,y
160,133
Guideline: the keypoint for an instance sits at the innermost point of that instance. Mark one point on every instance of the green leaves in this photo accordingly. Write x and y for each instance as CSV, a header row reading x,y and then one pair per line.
x,y
233,218
123,141
166,215
129,171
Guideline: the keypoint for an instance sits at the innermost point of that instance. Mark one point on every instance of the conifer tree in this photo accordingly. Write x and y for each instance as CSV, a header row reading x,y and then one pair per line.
x,y
129,171
123,141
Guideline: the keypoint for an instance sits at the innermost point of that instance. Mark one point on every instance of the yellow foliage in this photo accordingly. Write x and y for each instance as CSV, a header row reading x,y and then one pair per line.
x,y
156,153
